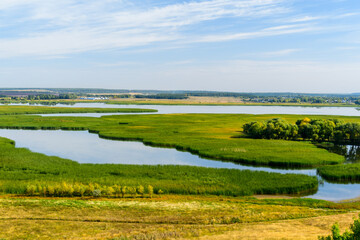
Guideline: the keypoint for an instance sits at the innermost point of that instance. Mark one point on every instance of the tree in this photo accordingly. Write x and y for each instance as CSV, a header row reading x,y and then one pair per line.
x,y
123,191
109,191
97,193
150,191
30,190
141,190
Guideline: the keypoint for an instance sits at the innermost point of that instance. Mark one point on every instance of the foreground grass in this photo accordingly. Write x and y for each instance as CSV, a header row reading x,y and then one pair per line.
x,y
20,168
158,218
15,110
216,136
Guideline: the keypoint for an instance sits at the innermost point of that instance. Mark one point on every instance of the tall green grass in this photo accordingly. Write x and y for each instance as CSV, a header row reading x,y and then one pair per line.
x,y
20,168
215,136
341,173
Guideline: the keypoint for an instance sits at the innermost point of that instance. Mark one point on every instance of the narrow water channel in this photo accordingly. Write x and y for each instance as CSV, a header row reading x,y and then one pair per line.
x,y
74,145
170,109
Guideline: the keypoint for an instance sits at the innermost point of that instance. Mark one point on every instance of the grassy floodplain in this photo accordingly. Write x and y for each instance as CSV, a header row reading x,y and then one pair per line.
x,y
201,215
20,168
216,136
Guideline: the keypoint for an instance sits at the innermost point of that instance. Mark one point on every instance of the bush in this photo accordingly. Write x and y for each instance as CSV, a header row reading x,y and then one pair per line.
x,y
352,234
97,193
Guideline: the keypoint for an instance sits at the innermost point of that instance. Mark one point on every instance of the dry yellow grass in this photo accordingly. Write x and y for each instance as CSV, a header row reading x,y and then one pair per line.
x,y
304,229
168,217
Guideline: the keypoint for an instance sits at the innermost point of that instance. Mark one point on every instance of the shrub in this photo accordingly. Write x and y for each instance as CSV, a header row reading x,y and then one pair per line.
x,y
96,193
150,191
352,234
140,189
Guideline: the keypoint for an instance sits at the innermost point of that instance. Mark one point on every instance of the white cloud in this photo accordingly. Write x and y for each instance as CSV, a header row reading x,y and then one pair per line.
x,y
273,31
305,19
74,26
283,52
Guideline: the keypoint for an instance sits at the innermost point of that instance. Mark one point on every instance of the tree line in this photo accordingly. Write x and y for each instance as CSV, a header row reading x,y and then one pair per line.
x,y
318,130
52,96
94,190
163,96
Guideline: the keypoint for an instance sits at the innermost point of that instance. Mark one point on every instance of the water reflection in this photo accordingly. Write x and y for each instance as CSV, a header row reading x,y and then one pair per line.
x,y
351,152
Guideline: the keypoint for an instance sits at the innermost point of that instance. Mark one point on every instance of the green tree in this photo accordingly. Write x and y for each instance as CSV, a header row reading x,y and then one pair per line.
x,y
150,191
141,190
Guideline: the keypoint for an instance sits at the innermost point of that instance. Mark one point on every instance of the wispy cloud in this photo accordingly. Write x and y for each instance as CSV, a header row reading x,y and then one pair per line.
x,y
272,31
58,28
283,52
71,26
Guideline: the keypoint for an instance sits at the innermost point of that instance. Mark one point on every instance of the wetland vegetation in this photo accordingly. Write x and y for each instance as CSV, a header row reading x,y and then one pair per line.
x,y
21,169
217,136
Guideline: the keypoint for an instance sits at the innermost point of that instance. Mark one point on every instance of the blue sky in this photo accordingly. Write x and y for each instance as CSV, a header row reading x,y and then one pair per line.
x,y
224,45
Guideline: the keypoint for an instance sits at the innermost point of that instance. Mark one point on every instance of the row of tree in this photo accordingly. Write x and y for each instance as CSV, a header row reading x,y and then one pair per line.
x,y
332,130
163,96
52,96
80,190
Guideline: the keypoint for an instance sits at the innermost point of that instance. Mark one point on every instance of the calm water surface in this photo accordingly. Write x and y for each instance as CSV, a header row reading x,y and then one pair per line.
x,y
74,145
168,109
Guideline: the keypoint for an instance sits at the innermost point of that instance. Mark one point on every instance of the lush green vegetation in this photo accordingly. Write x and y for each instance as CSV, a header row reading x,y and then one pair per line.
x,y
22,171
65,189
14,110
216,136
275,128
341,173
318,130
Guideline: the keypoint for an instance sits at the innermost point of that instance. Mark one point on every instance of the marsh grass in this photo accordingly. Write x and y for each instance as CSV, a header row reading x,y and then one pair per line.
x,y
347,173
20,168
207,135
